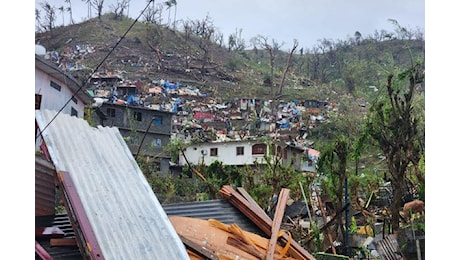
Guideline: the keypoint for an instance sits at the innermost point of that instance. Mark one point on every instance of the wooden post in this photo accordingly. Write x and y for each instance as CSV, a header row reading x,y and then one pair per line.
x,y
323,214
276,224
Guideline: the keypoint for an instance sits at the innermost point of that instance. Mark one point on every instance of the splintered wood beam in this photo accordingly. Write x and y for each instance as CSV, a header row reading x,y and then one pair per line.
x,y
232,241
258,216
254,204
276,224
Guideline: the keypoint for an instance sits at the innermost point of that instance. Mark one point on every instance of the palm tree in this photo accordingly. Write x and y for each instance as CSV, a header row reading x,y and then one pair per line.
x,y
89,7
174,2
69,9
62,12
169,5
38,19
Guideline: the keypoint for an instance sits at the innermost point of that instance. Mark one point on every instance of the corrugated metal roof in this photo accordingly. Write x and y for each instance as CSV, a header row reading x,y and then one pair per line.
x,y
221,210
125,215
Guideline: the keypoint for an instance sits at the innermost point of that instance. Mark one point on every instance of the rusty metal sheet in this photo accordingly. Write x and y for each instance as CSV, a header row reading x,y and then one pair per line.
x,y
44,187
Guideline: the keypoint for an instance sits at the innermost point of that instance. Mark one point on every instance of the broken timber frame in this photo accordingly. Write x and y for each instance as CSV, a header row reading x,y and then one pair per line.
x,y
249,207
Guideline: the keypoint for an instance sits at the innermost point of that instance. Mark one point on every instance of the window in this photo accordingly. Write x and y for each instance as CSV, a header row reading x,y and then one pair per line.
x,y
240,150
55,85
138,116
38,101
258,149
158,120
157,142
111,112
73,112
213,151
74,99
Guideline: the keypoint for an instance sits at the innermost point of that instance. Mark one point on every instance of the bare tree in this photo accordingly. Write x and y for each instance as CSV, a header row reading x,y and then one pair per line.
x,y
98,4
288,65
50,15
119,8
160,12
262,41
419,34
154,42
206,30
149,14
218,38
187,34
236,41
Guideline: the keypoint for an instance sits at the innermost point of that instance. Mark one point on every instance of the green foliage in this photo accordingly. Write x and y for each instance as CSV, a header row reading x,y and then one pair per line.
x,y
353,226
395,127
267,80
317,237
332,168
233,64
218,175
88,116
59,209
174,148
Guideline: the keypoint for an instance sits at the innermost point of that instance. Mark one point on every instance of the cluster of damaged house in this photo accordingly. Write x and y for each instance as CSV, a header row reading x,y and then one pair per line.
x,y
150,115
229,131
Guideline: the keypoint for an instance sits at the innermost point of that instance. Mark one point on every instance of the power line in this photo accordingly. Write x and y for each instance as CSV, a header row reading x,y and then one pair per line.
x,y
94,71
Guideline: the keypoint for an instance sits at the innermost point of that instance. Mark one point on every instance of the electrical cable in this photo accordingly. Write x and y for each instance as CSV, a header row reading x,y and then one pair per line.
x,y
94,71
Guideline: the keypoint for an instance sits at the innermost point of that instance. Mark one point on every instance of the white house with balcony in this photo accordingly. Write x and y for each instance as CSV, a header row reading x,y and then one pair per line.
x,y
249,152
55,89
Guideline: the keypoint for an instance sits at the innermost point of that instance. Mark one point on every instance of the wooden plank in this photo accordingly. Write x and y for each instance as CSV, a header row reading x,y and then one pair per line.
x,y
323,214
63,242
224,241
277,219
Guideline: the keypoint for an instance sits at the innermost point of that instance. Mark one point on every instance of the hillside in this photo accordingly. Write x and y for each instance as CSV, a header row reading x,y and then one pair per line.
x,y
150,52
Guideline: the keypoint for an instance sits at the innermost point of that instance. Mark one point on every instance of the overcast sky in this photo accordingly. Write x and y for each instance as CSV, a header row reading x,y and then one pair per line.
x,y
305,20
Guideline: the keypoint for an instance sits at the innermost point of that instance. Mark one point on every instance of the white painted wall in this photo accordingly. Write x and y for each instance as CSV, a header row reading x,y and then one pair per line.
x,y
53,99
226,154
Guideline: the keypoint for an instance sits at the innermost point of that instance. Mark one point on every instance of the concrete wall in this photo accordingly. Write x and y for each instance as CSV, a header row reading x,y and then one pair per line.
x,y
53,99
